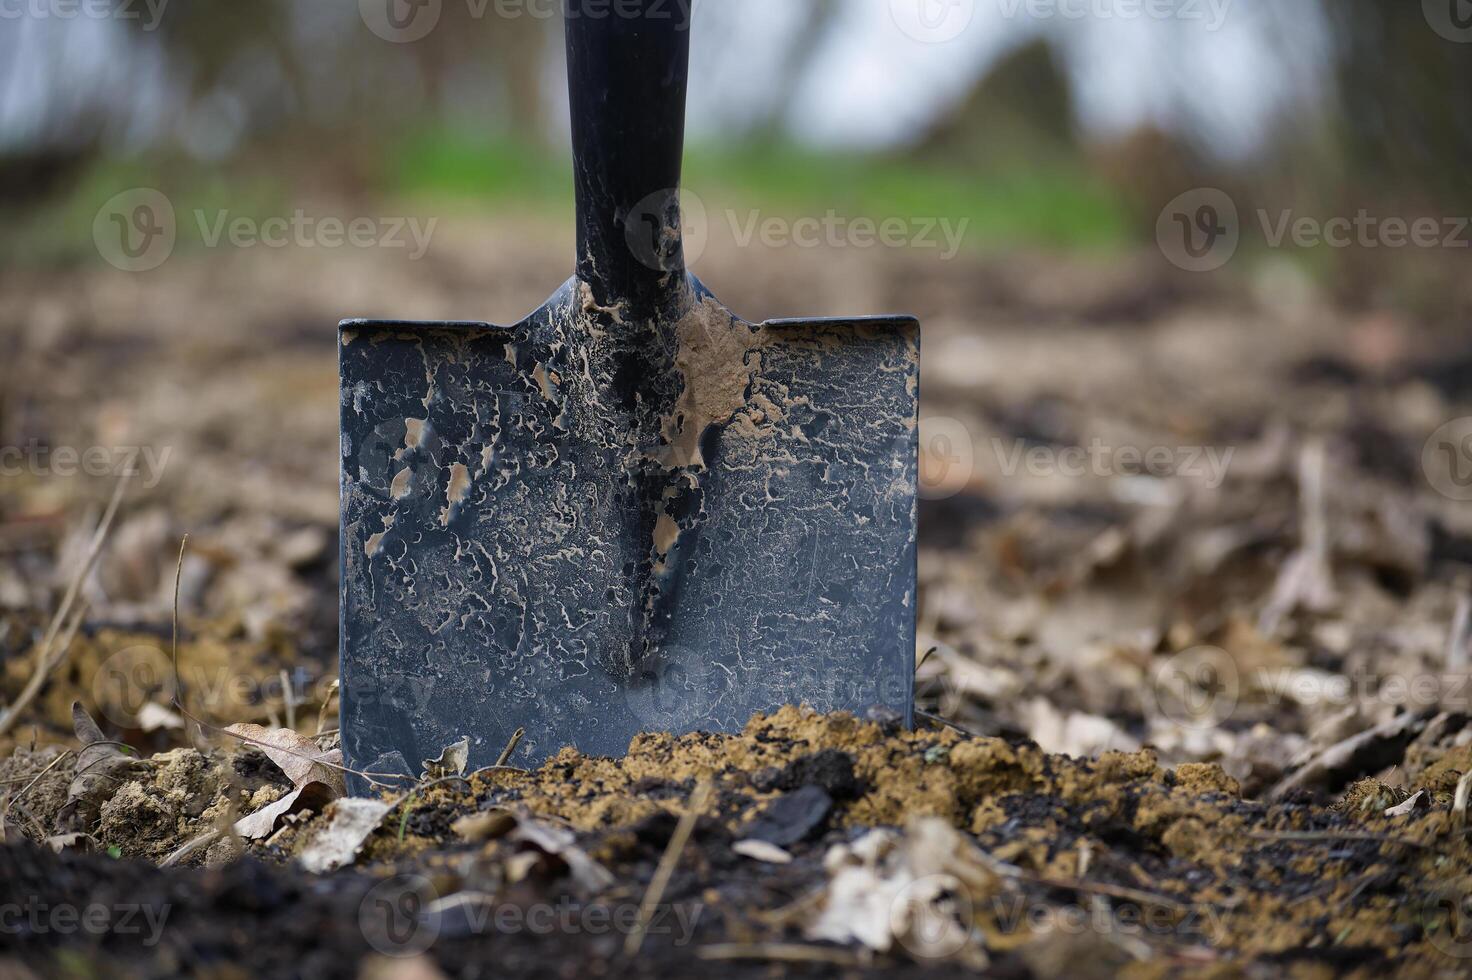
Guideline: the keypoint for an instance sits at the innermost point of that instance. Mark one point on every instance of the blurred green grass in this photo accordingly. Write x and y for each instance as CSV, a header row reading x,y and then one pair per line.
x,y
1051,205
437,171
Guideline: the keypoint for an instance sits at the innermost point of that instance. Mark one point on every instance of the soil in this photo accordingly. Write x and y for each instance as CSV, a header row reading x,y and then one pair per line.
x,y
1204,715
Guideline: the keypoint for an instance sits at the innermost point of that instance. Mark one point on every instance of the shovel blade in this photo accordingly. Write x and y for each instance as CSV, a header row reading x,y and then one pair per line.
x,y
532,542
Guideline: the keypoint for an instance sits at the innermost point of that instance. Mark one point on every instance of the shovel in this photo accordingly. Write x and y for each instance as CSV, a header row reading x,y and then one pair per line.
x,y
631,511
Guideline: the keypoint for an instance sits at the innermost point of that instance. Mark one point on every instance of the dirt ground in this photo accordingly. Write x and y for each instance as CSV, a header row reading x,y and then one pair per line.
x,y
1192,659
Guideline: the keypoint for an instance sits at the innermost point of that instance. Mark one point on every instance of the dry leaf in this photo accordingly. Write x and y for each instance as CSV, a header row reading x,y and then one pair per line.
x,y
1416,802
562,843
297,755
350,823
102,768
452,761
62,842
263,822
485,825
887,889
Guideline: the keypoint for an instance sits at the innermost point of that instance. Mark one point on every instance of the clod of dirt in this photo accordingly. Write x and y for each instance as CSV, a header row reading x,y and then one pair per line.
x,y
791,817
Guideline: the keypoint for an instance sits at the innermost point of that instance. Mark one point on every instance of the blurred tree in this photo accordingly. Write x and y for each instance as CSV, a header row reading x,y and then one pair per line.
x,y
1402,89
1019,112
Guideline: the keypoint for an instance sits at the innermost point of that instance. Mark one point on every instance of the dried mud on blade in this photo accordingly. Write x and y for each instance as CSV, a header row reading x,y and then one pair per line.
x,y
632,511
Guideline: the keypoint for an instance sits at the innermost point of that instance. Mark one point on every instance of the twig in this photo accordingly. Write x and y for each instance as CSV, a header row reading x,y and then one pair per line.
x,y
947,723
44,663
780,953
511,745
1122,892
1459,799
667,864
326,703
1347,836
288,697
1457,636
189,847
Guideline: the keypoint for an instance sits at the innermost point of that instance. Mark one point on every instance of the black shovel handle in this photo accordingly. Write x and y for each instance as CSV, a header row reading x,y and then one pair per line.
x,y
628,62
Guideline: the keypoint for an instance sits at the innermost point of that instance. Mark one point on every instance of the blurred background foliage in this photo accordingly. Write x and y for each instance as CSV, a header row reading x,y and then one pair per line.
x,y
1066,133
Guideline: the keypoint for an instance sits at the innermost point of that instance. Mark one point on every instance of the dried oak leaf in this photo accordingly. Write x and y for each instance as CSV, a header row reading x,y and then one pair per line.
x,y
301,758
